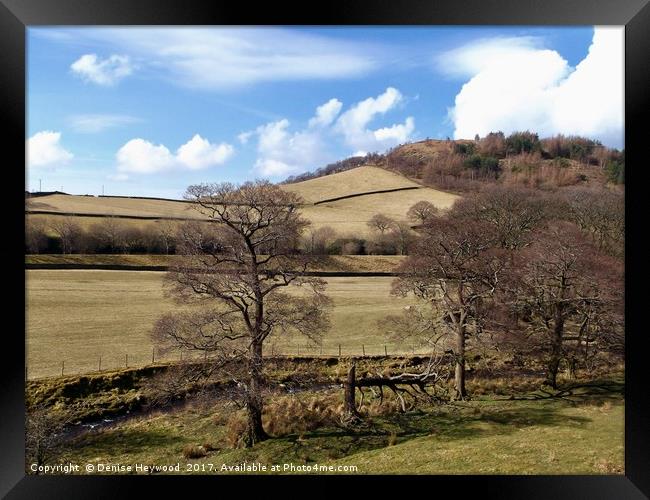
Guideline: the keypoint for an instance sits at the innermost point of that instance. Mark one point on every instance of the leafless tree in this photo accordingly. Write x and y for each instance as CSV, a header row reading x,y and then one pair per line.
x,y
235,268
601,213
511,213
563,296
381,223
318,239
69,233
109,233
167,230
35,237
402,236
44,429
456,269
421,211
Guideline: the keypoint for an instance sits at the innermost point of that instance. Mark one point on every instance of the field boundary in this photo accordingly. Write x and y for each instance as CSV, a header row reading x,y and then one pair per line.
x,y
367,193
115,216
136,267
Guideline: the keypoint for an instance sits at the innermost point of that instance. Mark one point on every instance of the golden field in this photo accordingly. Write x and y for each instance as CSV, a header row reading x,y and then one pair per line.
x,y
349,217
76,316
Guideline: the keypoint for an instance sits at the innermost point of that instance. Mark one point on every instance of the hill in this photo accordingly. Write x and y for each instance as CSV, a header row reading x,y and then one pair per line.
x,y
345,201
519,159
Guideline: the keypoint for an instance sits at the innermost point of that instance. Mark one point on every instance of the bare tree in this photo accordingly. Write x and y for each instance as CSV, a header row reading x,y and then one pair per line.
x,y
319,239
601,213
44,429
381,223
563,296
511,213
402,237
167,232
109,234
456,269
421,211
236,268
35,237
69,233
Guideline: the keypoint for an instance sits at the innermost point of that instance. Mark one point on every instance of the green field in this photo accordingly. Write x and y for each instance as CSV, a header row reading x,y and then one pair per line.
x,y
583,434
76,316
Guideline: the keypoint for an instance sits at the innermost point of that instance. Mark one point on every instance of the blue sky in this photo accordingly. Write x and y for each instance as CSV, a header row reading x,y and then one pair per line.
x,y
149,111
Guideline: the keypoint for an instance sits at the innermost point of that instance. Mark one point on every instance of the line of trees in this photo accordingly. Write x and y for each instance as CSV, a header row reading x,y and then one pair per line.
x,y
63,234
515,268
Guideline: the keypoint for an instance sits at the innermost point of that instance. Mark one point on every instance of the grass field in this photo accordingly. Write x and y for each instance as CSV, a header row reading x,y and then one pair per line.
x,y
583,434
334,263
76,316
349,217
358,180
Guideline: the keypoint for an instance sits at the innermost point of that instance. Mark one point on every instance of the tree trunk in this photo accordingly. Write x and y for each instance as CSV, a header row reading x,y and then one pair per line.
x,y
459,376
254,403
350,389
556,350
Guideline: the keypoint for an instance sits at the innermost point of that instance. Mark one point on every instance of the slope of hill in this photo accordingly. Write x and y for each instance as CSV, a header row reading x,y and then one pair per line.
x,y
348,216
359,180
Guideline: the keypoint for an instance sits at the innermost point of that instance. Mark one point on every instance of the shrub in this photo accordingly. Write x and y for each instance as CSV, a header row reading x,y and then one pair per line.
x,y
194,451
615,171
523,142
296,414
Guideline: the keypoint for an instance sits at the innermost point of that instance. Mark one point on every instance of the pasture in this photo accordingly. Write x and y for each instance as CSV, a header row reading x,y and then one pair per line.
x,y
583,434
76,316
349,217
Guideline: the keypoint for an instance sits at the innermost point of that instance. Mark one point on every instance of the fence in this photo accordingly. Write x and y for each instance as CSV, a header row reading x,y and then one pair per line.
x,y
101,363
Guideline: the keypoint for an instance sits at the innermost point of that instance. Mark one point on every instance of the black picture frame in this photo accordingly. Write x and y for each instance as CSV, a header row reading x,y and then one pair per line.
x,y
16,15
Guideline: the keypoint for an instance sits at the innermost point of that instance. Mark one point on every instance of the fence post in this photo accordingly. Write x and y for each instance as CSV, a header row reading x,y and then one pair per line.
x,y
100,364
339,350
126,360
153,354
62,367
363,349
385,350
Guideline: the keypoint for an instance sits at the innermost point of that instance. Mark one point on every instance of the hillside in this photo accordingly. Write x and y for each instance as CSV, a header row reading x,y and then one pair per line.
x,y
520,159
324,207
359,180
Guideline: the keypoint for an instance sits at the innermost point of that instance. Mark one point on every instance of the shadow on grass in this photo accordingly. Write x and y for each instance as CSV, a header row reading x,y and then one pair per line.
x,y
131,440
467,420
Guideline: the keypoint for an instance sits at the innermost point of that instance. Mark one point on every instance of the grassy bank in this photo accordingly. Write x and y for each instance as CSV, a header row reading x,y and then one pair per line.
x,y
581,433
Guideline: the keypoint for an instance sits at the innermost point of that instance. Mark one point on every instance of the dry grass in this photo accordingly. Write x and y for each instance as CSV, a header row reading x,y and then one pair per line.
x,y
335,263
349,217
76,316
355,181
111,206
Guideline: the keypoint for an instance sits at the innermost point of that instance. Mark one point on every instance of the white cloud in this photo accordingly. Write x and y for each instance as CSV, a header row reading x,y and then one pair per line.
x,y
245,136
353,123
515,85
326,113
105,72
143,157
198,153
91,124
44,150
282,152
220,58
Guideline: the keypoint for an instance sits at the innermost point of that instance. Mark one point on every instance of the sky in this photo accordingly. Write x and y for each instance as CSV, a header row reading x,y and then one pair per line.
x,y
148,111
